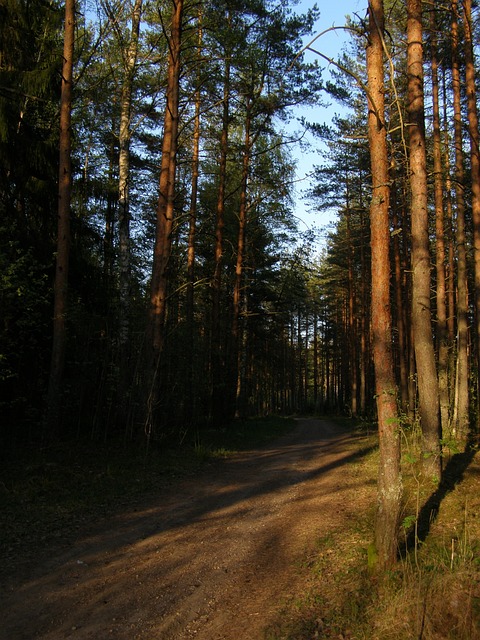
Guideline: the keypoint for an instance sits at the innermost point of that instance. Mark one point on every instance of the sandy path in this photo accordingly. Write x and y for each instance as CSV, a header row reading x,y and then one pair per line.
x,y
216,558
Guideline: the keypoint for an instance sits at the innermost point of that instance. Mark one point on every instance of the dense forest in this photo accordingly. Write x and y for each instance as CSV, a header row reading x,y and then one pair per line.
x,y
153,275
178,284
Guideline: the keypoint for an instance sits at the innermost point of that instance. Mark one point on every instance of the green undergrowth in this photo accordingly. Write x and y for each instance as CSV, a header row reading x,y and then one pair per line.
x,y
433,593
46,493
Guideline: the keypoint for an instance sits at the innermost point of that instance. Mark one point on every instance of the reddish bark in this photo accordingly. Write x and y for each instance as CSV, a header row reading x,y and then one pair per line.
x,y
461,404
165,214
441,296
63,231
427,381
239,266
475,169
389,482
218,408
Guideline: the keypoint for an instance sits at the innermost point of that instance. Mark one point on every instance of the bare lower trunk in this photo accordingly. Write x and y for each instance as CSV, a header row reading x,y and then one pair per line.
x,y
63,229
450,263
402,353
123,180
165,218
237,350
217,350
441,294
351,320
427,380
461,406
364,326
192,232
389,479
475,172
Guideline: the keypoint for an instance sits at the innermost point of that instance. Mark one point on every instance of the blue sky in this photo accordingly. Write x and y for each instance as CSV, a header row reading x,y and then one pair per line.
x,y
332,13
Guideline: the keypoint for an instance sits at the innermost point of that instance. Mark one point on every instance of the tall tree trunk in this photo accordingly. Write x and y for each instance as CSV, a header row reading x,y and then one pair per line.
x,y
165,217
239,266
63,230
112,202
125,134
299,360
192,230
450,279
364,322
351,319
475,172
389,479
315,357
461,405
399,297
427,380
217,350
406,311
441,294
124,258
402,353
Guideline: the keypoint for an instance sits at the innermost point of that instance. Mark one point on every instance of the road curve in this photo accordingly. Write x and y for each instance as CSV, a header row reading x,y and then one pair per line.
x,y
216,558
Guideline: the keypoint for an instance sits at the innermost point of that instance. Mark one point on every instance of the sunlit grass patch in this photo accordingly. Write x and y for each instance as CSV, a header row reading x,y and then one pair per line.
x,y
434,591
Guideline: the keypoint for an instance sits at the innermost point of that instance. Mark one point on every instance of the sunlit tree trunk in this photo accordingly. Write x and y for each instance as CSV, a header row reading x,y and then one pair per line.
x,y
450,280
399,299
192,232
315,356
427,380
299,360
441,293
461,404
165,217
306,359
365,356
475,172
193,213
351,320
63,228
389,479
450,244
130,61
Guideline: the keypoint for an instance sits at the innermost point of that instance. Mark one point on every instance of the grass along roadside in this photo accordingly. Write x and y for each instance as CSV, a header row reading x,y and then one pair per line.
x,y
434,591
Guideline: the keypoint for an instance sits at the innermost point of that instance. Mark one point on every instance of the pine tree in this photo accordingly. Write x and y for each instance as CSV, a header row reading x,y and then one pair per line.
x,y
427,380
165,217
389,482
63,232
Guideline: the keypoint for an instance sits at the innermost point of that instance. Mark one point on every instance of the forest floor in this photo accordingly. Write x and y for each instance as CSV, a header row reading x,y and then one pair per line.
x,y
264,544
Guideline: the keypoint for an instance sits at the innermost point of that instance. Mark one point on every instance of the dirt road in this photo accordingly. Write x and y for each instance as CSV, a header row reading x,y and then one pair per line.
x,y
217,558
